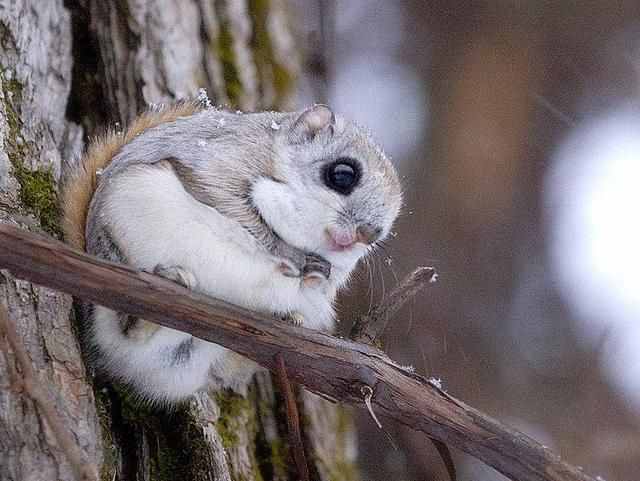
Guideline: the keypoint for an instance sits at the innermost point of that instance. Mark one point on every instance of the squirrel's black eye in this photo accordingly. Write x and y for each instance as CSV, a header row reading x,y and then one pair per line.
x,y
342,175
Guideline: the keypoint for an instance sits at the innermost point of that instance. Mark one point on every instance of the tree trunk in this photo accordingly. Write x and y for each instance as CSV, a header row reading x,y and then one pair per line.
x,y
66,70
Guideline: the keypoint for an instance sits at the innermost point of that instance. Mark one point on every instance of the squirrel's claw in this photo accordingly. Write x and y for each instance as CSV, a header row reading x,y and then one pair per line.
x,y
288,268
177,274
315,271
293,262
316,267
293,318
312,268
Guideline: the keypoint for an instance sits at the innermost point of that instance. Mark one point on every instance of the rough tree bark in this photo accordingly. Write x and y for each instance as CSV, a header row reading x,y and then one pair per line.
x,y
66,69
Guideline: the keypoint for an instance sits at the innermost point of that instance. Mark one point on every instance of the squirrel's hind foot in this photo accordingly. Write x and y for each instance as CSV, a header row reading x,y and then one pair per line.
x,y
293,318
177,274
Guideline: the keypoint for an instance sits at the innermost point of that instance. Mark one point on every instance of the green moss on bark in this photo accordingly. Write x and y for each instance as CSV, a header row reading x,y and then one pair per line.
x,y
335,464
266,62
279,452
223,48
136,438
38,193
272,455
343,469
109,448
233,409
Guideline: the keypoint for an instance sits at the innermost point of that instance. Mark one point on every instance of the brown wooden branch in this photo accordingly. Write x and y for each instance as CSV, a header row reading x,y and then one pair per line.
x,y
32,387
332,367
371,325
293,419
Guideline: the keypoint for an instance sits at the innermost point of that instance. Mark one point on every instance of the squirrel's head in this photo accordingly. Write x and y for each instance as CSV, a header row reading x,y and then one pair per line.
x,y
332,190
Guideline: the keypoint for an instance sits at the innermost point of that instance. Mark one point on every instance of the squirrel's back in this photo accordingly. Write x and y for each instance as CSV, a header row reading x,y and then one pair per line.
x,y
80,182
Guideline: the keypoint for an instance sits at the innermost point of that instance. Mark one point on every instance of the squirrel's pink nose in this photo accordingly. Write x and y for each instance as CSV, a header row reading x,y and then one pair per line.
x,y
341,239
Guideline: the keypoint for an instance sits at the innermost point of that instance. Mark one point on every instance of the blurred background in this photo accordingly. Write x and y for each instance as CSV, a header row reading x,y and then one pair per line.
x,y
516,129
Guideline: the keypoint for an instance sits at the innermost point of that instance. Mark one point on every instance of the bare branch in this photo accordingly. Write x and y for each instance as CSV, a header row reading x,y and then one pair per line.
x,y
293,419
369,326
324,364
30,385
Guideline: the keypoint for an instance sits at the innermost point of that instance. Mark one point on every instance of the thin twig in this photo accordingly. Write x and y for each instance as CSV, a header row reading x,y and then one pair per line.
x,y
447,459
293,419
369,326
29,384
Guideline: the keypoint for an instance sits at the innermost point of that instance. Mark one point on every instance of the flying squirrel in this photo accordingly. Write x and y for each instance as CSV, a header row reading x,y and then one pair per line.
x,y
270,211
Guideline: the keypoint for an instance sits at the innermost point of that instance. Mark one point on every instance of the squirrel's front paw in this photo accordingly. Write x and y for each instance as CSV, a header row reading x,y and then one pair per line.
x,y
288,268
177,274
315,271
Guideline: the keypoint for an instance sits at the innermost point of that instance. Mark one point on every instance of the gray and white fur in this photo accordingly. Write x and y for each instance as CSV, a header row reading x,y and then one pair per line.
x,y
236,206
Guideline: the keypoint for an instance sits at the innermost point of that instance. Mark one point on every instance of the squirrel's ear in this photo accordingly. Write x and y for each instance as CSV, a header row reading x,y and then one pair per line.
x,y
311,122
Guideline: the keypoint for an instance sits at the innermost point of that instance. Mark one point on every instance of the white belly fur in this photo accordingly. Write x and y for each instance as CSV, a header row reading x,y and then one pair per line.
x,y
155,221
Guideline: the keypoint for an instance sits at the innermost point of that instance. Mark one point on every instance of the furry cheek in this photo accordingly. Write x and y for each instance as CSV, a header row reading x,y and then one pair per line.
x,y
296,222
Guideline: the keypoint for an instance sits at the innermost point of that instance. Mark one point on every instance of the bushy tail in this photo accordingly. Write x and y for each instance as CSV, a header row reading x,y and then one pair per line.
x,y
80,182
